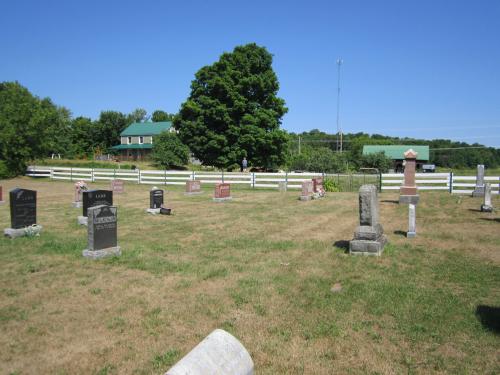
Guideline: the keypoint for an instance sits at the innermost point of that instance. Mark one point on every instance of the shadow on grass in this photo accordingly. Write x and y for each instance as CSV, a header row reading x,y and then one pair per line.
x,y
474,209
489,317
390,201
343,245
497,219
400,233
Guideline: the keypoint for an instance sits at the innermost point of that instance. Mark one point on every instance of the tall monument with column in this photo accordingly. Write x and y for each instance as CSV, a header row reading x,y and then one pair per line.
x,y
409,192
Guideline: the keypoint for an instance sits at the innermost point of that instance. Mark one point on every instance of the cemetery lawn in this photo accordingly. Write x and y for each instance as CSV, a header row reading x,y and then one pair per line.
x,y
260,267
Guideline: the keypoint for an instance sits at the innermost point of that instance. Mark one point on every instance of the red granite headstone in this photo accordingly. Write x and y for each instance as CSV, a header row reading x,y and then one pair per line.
x,y
117,186
307,189
222,190
318,185
193,186
408,191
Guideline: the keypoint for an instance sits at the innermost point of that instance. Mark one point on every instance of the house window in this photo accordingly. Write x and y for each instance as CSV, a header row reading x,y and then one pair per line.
x,y
141,140
129,140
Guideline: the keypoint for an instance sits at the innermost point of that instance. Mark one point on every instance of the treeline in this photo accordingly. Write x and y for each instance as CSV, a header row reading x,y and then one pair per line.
x,y
443,152
32,128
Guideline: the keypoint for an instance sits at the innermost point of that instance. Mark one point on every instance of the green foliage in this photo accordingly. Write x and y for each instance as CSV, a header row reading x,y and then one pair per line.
x,y
233,111
137,115
169,151
30,127
330,185
159,116
377,160
320,159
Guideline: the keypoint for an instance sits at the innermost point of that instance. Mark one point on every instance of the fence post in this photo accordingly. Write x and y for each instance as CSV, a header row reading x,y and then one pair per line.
x,y
253,180
193,176
451,182
92,177
286,180
51,173
114,174
380,181
71,173
223,176
138,176
165,177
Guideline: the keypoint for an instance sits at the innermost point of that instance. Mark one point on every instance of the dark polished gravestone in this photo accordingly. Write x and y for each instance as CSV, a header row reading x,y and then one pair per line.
x,y
102,232
22,213
155,201
92,198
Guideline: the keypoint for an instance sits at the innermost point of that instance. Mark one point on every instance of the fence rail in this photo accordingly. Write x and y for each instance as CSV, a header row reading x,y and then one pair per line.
x,y
344,182
439,181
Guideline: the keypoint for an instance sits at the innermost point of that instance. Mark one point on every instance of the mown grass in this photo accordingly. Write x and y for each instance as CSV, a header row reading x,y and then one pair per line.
x,y
261,267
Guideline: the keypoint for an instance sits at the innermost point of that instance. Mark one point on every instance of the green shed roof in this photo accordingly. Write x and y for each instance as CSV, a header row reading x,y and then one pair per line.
x,y
146,128
133,146
396,152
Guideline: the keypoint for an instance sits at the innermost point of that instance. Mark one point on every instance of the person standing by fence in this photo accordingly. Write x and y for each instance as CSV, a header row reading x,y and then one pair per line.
x,y
244,164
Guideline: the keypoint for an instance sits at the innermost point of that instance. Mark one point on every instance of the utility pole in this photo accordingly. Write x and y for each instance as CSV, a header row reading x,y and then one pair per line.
x,y
299,144
339,129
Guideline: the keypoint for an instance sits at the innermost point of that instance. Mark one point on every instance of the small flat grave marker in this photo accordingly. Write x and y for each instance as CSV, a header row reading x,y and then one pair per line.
x,y
222,192
193,187
102,232
117,186
307,191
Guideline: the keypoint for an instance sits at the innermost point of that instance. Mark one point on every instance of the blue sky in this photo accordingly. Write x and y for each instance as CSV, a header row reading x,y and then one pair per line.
x,y
428,69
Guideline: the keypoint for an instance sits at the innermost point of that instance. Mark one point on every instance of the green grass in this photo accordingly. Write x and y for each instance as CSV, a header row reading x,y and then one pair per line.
x,y
260,267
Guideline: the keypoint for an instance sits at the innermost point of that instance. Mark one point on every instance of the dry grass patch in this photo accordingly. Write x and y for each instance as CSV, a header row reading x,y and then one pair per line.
x,y
260,267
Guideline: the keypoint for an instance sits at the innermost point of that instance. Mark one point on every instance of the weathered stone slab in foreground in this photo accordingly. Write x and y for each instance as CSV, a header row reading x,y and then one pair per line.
x,y
30,231
369,238
367,247
412,221
487,206
219,353
479,188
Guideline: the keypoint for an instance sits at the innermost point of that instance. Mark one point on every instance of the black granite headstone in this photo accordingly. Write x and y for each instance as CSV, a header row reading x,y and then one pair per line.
x,y
92,198
155,198
102,227
22,208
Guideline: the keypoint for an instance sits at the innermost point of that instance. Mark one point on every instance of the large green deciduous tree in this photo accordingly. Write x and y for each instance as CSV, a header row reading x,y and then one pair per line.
x,y
159,116
29,127
169,151
233,111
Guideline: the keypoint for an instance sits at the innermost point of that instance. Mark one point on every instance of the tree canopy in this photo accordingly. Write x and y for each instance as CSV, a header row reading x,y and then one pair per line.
x,y
233,111
159,116
169,151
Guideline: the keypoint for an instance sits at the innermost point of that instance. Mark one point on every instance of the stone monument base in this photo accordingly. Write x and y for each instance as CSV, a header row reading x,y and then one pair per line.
x,y
486,208
411,234
222,199
367,247
103,253
478,192
409,199
83,220
193,193
305,198
23,232
153,211
77,204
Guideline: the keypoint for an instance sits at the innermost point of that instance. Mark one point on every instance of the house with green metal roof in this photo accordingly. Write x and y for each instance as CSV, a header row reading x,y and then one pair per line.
x,y
136,141
396,153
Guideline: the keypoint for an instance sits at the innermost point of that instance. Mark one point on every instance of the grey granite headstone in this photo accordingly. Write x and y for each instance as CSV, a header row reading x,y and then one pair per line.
x,y
369,238
487,206
22,208
412,221
102,232
156,198
479,189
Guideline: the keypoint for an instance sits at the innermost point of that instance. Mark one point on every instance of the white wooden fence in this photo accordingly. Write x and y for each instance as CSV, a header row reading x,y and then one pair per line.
x,y
158,177
439,181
